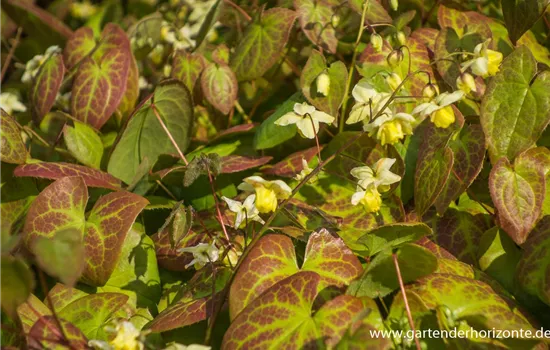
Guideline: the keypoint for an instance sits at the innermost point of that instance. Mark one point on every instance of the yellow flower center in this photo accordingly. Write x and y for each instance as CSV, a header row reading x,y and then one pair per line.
x,y
494,58
266,199
443,117
371,201
390,132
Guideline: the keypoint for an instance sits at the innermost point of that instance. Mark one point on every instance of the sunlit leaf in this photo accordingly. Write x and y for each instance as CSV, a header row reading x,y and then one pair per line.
x,y
12,148
84,144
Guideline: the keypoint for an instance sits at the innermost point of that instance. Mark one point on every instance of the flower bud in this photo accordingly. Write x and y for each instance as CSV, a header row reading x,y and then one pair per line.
x,y
401,38
443,117
372,201
393,80
323,84
266,200
377,42
395,58
394,4
335,20
430,91
466,83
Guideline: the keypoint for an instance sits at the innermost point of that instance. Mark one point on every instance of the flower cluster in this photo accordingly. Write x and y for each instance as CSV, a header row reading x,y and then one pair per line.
x,y
33,65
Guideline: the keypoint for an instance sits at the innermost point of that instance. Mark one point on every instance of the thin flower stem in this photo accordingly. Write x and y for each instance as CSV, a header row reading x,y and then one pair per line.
x,y
352,67
404,294
166,190
216,203
241,110
238,8
180,153
316,137
11,52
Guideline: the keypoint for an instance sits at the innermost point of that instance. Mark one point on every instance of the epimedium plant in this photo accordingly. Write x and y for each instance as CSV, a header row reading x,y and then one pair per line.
x,y
260,174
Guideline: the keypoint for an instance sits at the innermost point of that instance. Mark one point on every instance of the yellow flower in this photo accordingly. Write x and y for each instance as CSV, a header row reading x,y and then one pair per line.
x,y
494,58
389,129
369,198
377,42
443,117
127,337
486,62
267,192
466,83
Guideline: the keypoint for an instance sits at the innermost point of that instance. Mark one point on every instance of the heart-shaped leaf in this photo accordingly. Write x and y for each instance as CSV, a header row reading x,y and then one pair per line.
x,y
12,148
273,259
518,193
315,18
520,16
392,236
516,106
375,13
188,67
79,45
84,144
54,171
168,256
144,136
219,85
337,73
98,87
262,44
46,84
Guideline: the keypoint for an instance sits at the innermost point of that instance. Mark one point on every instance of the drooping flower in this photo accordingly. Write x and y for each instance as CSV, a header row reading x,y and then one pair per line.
x,y
306,170
9,102
379,174
486,62
368,102
267,192
377,42
466,83
203,253
439,109
306,118
245,211
83,10
393,80
369,197
390,128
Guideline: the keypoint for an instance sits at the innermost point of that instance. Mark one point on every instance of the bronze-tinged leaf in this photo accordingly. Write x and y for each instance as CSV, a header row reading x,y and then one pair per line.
x,y
291,165
315,18
426,36
219,86
236,163
92,177
518,193
182,314
79,45
45,334
263,43
98,87
188,67
106,228
30,311
12,148
46,84
375,13
169,257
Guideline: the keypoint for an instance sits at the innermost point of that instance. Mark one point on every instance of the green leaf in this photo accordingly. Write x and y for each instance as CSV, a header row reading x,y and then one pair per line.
x,y
521,15
380,277
144,137
98,87
84,144
516,106
392,236
262,44
93,312
337,73
273,259
269,135
62,255
188,67
46,84
207,23
518,194
291,322
376,13
315,18
219,85
534,268
12,148
17,283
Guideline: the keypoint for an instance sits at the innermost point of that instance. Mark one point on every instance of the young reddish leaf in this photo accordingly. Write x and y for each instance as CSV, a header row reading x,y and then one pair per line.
x,y
188,67
220,55
61,295
534,268
516,106
376,13
98,87
17,283
426,36
106,229
46,84
262,44
291,165
469,152
93,312
463,22
112,37
234,131
131,95
12,148
273,259
337,73
54,171
59,206
316,21
30,311
236,163
459,232
182,314
79,45
282,316
45,334
169,257
219,86
518,193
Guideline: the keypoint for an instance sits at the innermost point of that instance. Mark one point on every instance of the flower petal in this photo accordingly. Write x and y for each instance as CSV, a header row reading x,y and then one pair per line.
x,y
282,190
288,119
306,127
451,98
362,173
363,91
357,196
322,117
303,108
234,206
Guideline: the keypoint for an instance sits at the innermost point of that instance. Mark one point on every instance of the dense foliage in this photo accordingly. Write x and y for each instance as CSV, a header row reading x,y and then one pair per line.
x,y
236,174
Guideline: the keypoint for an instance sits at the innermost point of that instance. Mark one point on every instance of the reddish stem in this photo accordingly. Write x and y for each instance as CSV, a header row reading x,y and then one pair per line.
x,y
11,52
180,153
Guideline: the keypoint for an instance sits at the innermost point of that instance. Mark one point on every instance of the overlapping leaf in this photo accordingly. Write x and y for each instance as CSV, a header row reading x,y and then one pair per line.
x,y
54,171
219,85
274,259
235,163
46,84
393,235
45,334
17,285
188,67
520,16
79,45
315,18
516,106
12,148
169,257
375,13
262,44
84,144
